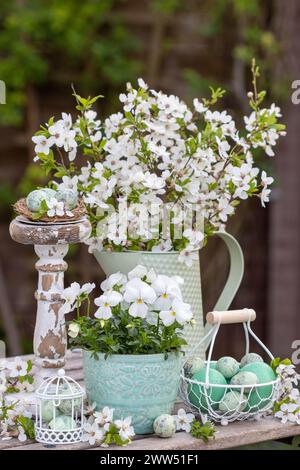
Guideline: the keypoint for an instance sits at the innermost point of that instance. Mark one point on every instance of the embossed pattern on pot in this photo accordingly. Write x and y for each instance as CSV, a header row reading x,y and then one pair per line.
x,y
141,386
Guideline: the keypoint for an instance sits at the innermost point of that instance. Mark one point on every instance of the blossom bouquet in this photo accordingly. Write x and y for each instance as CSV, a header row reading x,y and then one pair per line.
x,y
132,345
157,155
160,177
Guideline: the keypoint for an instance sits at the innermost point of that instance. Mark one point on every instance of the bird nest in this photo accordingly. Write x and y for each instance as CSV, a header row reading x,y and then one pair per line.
x,y
21,208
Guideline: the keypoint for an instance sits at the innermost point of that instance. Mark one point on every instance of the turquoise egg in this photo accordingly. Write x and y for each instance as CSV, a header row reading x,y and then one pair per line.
x,y
47,410
228,366
164,426
50,192
35,198
249,358
200,396
260,396
62,423
68,196
193,365
233,401
244,378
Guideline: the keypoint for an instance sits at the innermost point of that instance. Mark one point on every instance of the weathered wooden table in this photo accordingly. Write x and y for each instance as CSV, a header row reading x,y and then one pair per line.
x,y
233,435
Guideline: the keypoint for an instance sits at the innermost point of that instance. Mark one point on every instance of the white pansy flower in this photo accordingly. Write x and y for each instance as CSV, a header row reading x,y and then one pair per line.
x,y
116,279
139,271
179,311
139,295
105,303
184,420
87,288
70,295
73,330
166,290
125,427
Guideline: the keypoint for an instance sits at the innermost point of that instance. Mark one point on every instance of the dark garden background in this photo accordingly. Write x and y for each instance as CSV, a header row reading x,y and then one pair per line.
x,y
181,47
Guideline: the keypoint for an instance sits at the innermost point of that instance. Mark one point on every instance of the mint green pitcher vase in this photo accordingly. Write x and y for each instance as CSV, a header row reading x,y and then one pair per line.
x,y
167,263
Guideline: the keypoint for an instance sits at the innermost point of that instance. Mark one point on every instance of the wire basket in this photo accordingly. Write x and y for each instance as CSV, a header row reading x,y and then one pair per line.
x,y
226,403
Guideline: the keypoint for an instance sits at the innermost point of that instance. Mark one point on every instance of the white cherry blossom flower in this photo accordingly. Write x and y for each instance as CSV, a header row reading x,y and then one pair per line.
x,y
266,180
142,84
126,430
287,412
69,183
21,434
139,295
104,417
94,244
17,368
265,196
199,107
184,420
42,144
188,256
93,434
55,208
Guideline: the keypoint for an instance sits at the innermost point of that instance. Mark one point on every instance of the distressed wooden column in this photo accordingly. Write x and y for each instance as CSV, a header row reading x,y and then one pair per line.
x,y
51,243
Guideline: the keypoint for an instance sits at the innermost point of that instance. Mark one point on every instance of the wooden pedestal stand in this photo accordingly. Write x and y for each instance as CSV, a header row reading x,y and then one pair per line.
x,y
51,243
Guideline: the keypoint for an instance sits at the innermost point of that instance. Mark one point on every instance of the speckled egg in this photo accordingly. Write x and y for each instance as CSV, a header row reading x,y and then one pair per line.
x,y
62,423
202,397
50,192
35,198
228,366
233,401
164,426
249,358
193,365
260,396
65,405
244,378
68,196
47,410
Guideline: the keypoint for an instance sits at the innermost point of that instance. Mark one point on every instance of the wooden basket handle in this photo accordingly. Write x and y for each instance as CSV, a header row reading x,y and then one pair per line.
x,y
230,316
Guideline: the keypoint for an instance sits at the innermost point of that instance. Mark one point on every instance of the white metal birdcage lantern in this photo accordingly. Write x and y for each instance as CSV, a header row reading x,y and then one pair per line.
x,y
208,400
59,410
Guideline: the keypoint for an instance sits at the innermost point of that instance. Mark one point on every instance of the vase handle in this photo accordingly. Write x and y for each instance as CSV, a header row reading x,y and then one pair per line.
x,y
235,276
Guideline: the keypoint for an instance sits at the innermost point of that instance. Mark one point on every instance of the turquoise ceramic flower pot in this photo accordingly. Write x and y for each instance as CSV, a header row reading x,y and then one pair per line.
x,y
141,386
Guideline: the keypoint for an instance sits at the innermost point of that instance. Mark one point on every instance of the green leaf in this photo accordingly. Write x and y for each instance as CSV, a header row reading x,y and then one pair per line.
x,y
203,431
